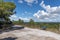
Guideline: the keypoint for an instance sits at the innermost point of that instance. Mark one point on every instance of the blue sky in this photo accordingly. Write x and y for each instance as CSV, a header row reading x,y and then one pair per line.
x,y
38,10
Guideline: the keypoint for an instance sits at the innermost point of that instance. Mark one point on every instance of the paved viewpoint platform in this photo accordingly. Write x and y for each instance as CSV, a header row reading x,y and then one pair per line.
x,y
29,34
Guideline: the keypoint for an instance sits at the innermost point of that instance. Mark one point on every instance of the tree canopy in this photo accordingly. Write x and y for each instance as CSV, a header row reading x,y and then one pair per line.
x,y
6,9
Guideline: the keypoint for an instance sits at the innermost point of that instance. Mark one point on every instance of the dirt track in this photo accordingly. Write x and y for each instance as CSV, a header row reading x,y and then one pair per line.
x,y
29,34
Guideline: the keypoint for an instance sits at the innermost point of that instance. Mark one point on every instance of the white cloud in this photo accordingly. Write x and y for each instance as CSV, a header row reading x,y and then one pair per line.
x,y
15,17
50,9
28,13
36,15
48,12
25,19
46,18
29,2
40,14
20,1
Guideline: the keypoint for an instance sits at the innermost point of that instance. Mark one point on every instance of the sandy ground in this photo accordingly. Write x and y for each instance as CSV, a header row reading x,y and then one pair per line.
x,y
29,34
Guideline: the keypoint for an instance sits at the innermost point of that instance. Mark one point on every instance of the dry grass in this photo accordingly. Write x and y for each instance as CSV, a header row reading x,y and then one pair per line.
x,y
48,29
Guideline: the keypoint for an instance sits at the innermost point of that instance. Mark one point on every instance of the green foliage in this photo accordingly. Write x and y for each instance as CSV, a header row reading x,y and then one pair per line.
x,y
6,10
0,0
19,22
31,22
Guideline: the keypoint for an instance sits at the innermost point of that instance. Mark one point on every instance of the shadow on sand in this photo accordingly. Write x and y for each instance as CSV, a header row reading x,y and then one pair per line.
x,y
12,29
9,38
